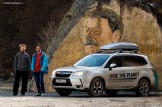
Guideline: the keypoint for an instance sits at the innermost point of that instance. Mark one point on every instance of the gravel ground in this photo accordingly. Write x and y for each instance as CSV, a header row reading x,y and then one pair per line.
x,y
78,99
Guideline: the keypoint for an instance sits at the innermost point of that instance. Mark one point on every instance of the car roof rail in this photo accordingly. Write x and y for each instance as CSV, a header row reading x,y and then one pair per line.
x,y
128,51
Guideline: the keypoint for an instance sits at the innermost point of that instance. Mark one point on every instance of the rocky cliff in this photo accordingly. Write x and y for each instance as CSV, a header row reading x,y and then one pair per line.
x,y
90,24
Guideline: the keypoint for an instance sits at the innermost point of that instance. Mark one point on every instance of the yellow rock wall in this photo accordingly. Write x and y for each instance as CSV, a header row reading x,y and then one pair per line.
x,y
139,27
142,28
69,51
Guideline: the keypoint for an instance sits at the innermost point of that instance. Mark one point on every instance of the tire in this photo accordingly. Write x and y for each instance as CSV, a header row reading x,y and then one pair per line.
x,y
143,88
96,88
63,92
111,92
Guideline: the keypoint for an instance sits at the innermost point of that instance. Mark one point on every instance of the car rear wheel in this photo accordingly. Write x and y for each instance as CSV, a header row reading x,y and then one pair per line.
x,y
143,88
96,88
63,92
111,92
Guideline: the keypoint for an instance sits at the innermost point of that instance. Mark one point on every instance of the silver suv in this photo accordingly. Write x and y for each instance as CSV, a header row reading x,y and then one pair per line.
x,y
114,67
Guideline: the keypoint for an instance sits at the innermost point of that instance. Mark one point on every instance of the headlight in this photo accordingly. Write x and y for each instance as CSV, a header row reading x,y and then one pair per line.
x,y
54,72
80,73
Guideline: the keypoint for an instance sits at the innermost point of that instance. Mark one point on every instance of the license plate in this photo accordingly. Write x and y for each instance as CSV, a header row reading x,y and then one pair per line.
x,y
60,80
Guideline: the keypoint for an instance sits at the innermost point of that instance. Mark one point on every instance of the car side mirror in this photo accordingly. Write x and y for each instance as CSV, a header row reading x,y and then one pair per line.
x,y
113,65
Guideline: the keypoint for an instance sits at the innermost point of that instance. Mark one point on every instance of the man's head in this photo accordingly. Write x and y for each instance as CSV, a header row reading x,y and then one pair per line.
x,y
38,48
22,47
99,29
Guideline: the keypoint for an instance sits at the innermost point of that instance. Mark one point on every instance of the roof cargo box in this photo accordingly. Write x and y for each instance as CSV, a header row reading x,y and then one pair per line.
x,y
119,47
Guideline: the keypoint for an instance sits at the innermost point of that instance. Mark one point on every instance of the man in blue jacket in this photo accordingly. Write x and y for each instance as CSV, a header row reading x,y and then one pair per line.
x,y
39,67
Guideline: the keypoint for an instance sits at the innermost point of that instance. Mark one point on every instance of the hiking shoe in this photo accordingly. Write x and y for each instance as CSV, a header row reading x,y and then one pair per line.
x,y
39,94
23,94
42,94
15,94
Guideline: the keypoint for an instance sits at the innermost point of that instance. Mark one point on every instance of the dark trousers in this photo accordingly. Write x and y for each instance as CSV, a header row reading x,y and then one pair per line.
x,y
20,75
38,76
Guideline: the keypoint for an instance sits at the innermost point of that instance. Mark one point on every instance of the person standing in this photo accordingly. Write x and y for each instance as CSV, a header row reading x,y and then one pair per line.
x,y
21,68
39,66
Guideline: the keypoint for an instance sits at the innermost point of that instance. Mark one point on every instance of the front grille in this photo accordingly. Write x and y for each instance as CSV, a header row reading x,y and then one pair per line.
x,y
68,83
63,73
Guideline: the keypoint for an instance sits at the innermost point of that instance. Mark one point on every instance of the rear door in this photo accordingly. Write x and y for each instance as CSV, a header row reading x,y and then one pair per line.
x,y
133,66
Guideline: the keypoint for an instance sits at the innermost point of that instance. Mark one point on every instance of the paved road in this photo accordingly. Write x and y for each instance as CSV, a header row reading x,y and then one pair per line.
x,y
78,100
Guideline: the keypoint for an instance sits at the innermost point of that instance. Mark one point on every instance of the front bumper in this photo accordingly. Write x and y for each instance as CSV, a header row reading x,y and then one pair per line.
x,y
71,83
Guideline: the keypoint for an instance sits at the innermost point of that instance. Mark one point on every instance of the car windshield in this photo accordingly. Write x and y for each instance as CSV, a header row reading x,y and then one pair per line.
x,y
93,60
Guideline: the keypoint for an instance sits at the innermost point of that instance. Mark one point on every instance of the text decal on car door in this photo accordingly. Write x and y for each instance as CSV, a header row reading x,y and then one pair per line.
x,y
125,75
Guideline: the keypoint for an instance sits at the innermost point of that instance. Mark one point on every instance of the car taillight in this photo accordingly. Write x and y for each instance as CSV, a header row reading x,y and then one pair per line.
x,y
153,70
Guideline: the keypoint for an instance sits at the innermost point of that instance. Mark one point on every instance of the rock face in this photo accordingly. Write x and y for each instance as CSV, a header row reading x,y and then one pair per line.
x,y
142,28
90,24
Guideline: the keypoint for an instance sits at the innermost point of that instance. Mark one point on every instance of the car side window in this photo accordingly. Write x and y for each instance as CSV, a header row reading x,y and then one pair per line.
x,y
116,60
141,61
129,61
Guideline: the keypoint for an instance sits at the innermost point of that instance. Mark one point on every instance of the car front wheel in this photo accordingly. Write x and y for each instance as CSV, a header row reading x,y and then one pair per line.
x,y
96,88
143,88
63,92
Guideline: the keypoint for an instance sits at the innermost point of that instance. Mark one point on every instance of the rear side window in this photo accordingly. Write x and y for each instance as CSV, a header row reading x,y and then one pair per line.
x,y
129,61
116,60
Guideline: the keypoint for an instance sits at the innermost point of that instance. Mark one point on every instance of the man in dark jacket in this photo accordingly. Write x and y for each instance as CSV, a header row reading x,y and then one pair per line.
x,y
21,67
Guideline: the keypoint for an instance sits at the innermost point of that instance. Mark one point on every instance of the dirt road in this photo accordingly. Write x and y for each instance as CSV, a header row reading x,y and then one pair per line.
x,y
78,100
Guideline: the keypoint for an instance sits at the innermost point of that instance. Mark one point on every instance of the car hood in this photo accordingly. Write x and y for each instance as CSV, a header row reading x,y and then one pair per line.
x,y
76,68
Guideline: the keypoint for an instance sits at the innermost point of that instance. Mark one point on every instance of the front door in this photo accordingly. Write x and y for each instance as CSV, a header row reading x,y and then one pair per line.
x,y
115,75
